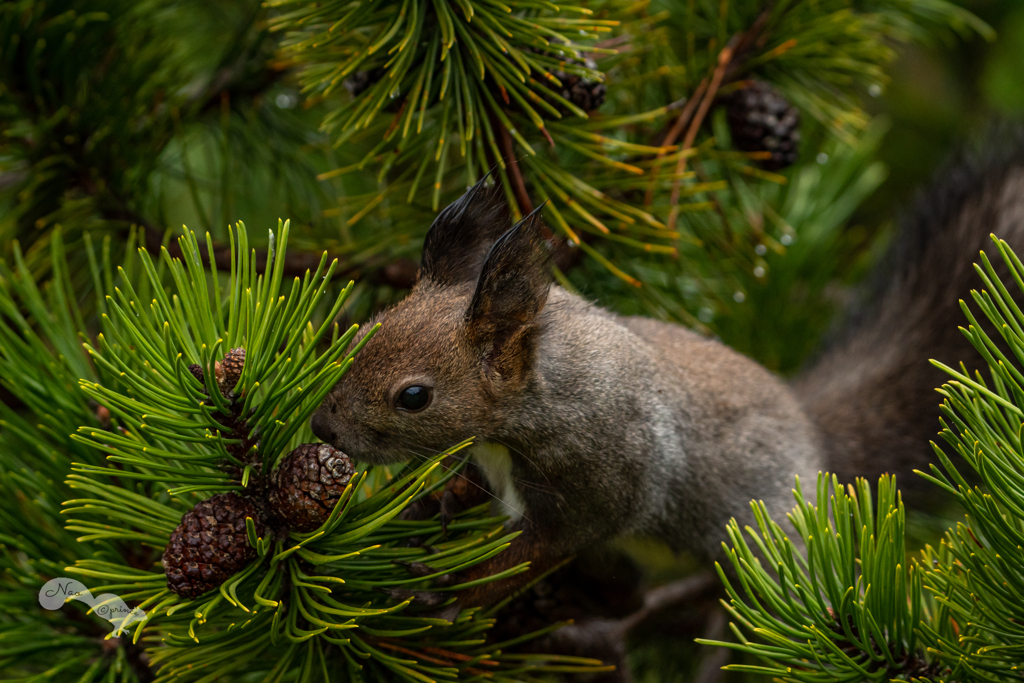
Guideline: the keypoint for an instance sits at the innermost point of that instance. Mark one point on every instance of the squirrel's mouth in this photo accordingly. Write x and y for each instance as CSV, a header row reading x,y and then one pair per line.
x,y
372,452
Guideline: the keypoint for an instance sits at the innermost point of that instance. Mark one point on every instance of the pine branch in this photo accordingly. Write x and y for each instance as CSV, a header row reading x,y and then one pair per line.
x,y
66,142
670,596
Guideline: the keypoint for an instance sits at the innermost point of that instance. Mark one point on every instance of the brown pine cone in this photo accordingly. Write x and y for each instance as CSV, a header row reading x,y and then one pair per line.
x,y
308,484
197,371
229,370
761,119
210,545
586,94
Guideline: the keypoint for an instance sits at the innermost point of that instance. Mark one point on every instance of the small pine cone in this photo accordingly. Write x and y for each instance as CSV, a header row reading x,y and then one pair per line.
x,y
360,81
210,545
229,370
762,120
585,94
308,484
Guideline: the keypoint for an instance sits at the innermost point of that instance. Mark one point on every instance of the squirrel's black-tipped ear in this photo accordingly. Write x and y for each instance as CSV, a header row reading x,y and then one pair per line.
x,y
511,291
458,240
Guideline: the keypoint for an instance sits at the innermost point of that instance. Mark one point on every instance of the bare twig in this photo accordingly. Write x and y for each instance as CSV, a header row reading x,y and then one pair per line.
x,y
730,63
605,638
754,36
670,595
684,116
565,256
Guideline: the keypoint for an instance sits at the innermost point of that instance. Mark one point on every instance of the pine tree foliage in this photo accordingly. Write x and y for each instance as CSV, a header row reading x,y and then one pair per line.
x,y
460,87
214,127
982,426
104,110
846,603
361,598
42,363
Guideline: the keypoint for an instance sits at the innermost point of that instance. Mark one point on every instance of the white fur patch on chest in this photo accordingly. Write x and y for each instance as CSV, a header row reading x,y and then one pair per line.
x,y
496,464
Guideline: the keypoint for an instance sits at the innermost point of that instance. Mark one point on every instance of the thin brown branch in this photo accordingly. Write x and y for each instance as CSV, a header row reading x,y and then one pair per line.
x,y
670,595
675,130
514,173
752,37
705,104
684,116
730,64
565,256
605,638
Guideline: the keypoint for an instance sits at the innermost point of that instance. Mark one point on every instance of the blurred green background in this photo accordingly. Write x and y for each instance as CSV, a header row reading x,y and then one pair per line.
x,y
943,94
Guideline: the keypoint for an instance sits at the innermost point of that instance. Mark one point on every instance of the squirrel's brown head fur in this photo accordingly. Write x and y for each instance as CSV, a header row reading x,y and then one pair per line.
x,y
466,335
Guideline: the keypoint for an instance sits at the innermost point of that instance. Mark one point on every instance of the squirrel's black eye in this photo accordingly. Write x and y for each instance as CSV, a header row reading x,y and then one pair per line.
x,y
414,398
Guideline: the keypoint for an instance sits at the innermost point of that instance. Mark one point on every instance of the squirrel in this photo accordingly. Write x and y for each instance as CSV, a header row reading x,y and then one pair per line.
x,y
590,425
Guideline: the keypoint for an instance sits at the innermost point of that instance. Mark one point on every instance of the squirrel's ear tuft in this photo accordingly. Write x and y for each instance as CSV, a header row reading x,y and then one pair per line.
x,y
511,291
458,239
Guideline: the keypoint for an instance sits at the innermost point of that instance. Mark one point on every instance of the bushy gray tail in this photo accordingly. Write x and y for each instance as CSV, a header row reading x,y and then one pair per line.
x,y
872,391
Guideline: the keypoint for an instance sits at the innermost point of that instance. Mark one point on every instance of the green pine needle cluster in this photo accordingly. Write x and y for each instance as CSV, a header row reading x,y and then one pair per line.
x,y
840,609
983,583
362,597
845,602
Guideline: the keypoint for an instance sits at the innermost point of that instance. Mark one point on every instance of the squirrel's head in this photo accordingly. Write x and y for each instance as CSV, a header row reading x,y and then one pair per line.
x,y
451,357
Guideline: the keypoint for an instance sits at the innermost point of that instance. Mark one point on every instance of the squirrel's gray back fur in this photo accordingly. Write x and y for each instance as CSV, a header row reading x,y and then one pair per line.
x,y
682,431
871,391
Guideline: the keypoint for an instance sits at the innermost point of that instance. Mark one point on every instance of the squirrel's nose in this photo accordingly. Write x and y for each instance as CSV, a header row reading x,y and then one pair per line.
x,y
321,429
